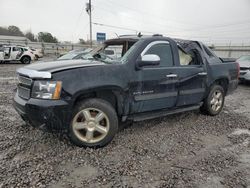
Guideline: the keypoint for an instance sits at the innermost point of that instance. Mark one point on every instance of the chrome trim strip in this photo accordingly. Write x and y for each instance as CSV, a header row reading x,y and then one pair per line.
x,y
152,44
33,73
155,96
192,91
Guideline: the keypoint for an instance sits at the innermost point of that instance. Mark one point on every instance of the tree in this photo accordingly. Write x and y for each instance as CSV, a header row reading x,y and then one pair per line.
x,y
82,41
15,31
4,31
30,36
46,37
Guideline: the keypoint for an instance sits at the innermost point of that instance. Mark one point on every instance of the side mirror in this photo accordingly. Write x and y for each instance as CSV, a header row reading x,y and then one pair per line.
x,y
149,59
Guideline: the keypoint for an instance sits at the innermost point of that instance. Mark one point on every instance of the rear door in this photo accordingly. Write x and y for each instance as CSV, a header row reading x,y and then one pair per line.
x,y
192,76
155,87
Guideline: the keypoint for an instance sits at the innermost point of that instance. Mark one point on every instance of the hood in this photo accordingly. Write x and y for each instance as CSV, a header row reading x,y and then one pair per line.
x,y
44,70
245,64
55,66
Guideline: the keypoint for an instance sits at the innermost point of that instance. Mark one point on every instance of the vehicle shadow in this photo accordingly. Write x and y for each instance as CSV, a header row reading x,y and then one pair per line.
x,y
11,63
244,83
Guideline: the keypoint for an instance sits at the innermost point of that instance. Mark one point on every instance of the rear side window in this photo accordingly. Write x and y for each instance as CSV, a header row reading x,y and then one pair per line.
x,y
163,50
185,59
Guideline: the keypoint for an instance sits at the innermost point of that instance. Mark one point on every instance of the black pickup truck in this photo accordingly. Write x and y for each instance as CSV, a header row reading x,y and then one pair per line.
x,y
156,76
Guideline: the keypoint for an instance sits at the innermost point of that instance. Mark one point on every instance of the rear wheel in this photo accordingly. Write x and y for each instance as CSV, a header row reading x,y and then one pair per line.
x,y
26,60
94,123
214,102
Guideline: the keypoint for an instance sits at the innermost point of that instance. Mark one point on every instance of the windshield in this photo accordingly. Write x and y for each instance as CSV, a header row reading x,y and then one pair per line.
x,y
107,53
244,58
68,56
124,59
75,54
110,53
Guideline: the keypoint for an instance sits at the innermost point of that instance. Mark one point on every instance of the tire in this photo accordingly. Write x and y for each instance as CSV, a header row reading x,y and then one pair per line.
x,y
94,123
26,60
214,102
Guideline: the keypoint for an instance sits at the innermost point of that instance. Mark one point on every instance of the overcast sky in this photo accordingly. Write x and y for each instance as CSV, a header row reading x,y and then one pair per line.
x,y
207,20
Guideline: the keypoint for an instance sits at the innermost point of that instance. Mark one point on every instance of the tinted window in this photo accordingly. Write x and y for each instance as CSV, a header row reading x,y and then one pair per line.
x,y
164,52
16,49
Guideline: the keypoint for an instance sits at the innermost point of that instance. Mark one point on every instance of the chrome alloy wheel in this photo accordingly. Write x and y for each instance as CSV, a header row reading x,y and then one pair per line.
x,y
217,100
91,125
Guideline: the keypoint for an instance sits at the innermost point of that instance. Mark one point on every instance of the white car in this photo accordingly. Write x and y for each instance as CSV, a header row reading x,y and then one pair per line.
x,y
37,52
16,53
244,62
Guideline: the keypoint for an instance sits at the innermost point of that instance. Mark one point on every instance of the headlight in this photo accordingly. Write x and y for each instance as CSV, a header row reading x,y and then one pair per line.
x,y
46,89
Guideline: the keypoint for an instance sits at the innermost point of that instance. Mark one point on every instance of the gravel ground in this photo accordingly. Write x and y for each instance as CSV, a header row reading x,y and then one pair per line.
x,y
184,150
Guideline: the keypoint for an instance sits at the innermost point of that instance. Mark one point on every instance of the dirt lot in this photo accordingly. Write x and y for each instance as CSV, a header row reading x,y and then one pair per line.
x,y
184,150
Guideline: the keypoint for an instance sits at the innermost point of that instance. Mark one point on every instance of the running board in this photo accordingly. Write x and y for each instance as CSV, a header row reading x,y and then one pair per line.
x,y
157,114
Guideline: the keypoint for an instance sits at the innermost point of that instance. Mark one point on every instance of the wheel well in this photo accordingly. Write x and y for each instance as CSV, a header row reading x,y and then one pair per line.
x,y
26,56
223,82
107,95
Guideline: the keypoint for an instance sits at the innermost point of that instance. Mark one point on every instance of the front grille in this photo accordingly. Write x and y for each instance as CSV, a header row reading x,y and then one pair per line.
x,y
24,87
24,80
244,68
243,73
23,92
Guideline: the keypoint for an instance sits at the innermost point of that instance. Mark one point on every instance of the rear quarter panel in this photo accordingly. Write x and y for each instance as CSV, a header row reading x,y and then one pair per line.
x,y
226,70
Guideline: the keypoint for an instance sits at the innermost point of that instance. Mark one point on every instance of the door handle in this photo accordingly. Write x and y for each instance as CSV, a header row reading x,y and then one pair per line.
x,y
202,73
171,75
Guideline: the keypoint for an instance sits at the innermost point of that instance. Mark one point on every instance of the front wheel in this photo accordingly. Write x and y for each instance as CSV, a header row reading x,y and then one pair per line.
x,y
94,123
214,102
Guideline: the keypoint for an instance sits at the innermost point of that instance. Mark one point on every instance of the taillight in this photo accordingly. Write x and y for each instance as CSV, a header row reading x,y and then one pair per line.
x,y
238,69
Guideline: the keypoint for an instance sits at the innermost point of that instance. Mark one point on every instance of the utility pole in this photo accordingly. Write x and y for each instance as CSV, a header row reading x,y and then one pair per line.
x,y
89,11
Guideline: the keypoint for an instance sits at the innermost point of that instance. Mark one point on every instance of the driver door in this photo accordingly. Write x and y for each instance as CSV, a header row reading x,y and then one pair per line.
x,y
155,88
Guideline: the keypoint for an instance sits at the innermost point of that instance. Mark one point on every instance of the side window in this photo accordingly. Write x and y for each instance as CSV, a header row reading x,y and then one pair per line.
x,y
15,49
163,50
185,59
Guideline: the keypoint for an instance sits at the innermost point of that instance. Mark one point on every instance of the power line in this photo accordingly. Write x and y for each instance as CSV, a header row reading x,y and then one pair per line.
x,y
112,26
131,29
144,12
207,27
219,27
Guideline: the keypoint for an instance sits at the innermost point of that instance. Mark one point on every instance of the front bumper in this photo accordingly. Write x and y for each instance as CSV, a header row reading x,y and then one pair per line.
x,y
51,114
244,75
